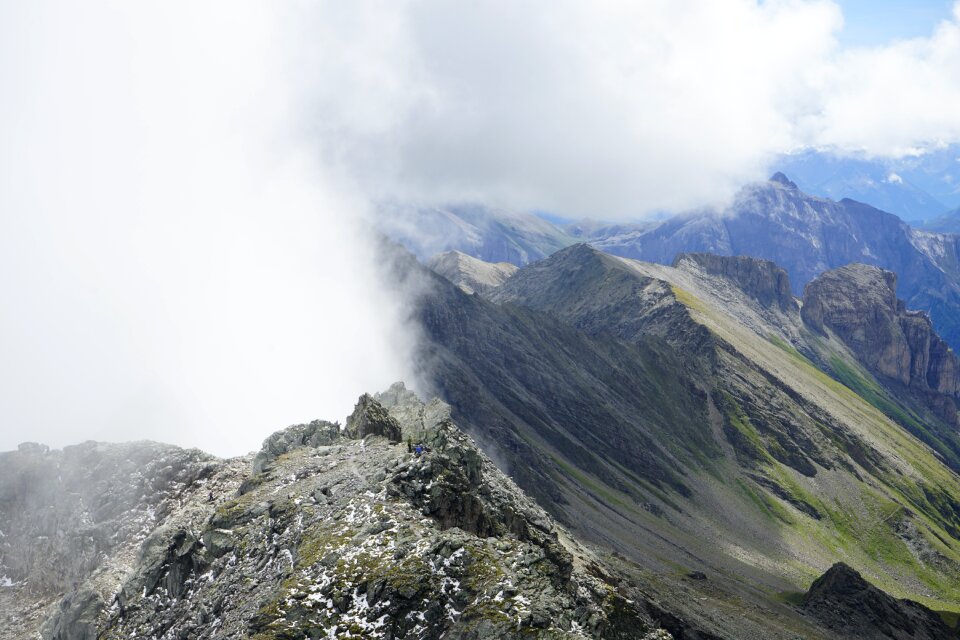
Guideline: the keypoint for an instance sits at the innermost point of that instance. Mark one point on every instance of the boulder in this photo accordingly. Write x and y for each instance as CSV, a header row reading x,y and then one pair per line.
x,y
318,433
369,417
76,619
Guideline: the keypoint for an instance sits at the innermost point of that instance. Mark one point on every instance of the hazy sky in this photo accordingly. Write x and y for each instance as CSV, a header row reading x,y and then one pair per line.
x,y
183,184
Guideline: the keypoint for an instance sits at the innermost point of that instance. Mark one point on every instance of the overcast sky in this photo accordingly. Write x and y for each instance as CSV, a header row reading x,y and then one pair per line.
x,y
182,184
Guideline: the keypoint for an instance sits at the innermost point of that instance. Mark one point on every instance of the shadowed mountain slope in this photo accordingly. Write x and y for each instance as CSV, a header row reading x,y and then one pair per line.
x,y
748,461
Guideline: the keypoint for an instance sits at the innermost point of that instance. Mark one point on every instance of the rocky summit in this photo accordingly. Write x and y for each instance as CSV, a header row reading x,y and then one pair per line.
x,y
324,533
849,605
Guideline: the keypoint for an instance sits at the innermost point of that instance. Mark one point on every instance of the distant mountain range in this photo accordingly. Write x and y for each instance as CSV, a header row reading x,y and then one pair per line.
x,y
774,220
492,235
947,223
918,188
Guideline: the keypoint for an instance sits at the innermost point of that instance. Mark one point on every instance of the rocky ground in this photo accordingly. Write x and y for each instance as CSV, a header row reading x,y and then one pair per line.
x,y
331,533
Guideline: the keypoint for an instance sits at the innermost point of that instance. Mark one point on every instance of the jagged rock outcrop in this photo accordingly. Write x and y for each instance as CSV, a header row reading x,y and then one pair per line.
x,y
72,522
77,618
471,274
846,603
63,511
762,280
462,498
859,304
369,418
363,539
346,537
318,433
417,420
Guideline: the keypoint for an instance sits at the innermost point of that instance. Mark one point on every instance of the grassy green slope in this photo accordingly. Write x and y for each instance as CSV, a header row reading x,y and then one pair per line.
x,y
652,415
893,513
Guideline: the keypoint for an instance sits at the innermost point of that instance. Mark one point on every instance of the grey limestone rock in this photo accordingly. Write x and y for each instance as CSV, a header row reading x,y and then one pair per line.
x,y
315,434
370,418
76,618
441,545
859,303
762,280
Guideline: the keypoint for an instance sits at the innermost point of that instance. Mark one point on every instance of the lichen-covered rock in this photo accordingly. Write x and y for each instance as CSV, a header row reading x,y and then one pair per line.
x,y
355,538
76,619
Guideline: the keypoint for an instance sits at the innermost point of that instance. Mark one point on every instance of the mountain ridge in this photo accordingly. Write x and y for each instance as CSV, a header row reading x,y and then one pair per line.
x,y
684,450
768,414
332,535
805,235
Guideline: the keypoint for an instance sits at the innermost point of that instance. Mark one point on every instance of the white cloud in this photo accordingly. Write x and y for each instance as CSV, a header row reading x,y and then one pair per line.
x,y
613,108
895,100
180,183
173,264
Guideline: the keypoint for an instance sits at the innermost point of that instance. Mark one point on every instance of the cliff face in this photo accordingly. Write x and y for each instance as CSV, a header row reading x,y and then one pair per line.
x,y
762,280
73,521
859,304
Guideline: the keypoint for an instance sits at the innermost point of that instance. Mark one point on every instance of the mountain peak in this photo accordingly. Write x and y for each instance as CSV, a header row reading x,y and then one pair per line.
x,y
781,178
471,274
859,303
840,578
843,601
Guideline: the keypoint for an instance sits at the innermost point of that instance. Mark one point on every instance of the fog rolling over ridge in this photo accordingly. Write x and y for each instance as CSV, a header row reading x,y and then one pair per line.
x,y
182,185
433,320
174,264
